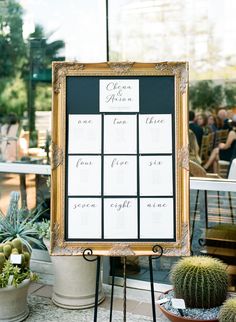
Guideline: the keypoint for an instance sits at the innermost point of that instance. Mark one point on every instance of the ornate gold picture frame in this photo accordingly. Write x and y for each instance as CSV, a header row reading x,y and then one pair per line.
x,y
143,76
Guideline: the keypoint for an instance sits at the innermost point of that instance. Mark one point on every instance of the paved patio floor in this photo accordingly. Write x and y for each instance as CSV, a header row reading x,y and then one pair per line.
x,y
138,307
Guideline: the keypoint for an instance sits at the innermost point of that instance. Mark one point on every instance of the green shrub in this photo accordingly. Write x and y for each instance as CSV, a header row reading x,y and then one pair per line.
x,y
201,281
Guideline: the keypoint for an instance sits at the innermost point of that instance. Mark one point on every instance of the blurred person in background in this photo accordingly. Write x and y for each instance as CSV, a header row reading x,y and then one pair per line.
x,y
224,151
201,121
212,122
197,130
10,132
223,116
194,148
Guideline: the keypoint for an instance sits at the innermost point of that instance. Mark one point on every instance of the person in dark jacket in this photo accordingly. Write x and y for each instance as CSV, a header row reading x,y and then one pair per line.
x,y
197,130
223,115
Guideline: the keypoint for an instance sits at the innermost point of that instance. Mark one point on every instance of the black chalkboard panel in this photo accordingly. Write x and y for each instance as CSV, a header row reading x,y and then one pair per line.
x,y
156,94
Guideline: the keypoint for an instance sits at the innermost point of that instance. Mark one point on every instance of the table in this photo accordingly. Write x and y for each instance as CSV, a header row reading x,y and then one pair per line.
x,y
22,169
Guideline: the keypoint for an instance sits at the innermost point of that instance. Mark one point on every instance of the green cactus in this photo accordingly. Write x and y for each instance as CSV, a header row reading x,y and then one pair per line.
x,y
27,259
2,261
17,225
23,260
9,243
7,250
1,248
228,311
17,243
19,272
201,281
13,205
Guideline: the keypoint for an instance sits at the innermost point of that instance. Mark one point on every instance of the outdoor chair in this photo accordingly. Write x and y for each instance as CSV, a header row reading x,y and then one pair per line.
x,y
196,170
220,137
211,140
207,146
204,148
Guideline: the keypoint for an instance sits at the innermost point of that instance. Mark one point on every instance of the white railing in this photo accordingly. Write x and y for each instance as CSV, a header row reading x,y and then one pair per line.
x,y
27,168
210,184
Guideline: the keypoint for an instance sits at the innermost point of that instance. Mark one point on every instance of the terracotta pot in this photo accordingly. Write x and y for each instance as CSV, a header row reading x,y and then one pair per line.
x,y
175,318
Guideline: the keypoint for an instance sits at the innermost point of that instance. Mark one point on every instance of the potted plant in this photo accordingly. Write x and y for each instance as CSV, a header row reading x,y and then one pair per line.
x,y
43,230
228,311
18,223
76,288
201,281
40,258
15,277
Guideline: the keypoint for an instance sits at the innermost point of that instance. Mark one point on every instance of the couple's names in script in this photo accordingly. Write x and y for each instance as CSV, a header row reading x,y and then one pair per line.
x,y
117,93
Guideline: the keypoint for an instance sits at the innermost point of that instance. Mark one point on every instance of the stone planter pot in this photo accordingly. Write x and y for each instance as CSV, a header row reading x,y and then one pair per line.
x,y
175,318
74,282
41,264
13,302
40,255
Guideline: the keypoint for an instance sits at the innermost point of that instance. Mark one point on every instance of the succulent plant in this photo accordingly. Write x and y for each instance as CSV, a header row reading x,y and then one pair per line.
x,y
7,250
16,226
2,261
228,311
14,273
26,259
201,281
17,244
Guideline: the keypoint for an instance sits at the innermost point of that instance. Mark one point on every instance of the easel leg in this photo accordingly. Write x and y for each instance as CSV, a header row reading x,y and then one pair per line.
x,y
86,254
194,218
206,209
219,210
112,285
97,288
124,304
152,289
158,250
231,207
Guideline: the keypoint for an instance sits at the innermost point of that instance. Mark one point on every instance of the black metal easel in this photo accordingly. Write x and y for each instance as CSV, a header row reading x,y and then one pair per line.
x,y
156,249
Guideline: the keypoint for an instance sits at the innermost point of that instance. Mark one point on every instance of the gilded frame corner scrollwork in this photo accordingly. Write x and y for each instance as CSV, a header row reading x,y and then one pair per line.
x,y
179,70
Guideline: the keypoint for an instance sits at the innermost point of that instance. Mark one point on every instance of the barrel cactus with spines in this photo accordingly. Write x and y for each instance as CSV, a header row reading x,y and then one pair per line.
x,y
26,259
2,261
5,255
228,311
18,245
201,281
9,243
10,266
7,250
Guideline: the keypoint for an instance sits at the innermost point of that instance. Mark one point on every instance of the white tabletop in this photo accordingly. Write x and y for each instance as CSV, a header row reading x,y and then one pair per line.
x,y
14,167
232,171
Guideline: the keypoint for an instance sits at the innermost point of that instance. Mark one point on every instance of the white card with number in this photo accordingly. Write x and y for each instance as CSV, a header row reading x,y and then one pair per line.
x,y
15,259
178,304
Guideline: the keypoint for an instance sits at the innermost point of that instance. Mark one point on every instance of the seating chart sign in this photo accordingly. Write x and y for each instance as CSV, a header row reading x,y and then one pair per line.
x,y
120,163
